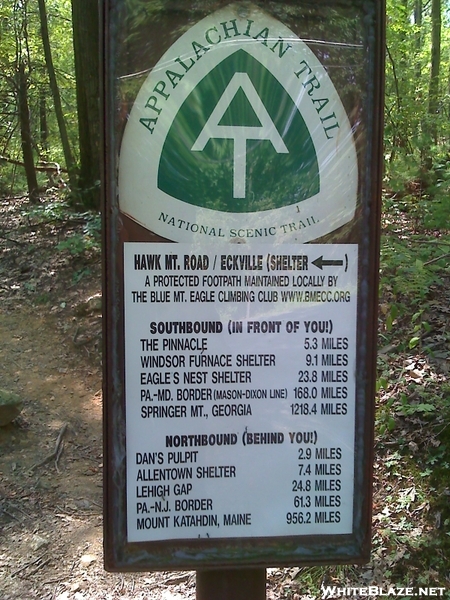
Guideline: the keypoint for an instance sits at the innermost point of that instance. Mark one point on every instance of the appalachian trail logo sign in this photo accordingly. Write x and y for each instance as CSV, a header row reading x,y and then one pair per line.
x,y
238,132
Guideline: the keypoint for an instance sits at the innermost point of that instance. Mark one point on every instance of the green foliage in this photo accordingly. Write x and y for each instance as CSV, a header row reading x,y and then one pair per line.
x,y
405,275
407,282
86,235
416,136
407,408
53,210
385,420
20,37
80,274
86,241
411,542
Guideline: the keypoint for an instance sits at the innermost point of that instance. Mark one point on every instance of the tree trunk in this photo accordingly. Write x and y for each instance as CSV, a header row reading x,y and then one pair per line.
x,y
25,133
70,163
43,127
430,126
86,41
22,62
418,20
433,105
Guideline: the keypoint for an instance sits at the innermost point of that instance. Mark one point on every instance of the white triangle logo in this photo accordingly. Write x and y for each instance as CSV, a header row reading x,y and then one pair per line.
x,y
240,133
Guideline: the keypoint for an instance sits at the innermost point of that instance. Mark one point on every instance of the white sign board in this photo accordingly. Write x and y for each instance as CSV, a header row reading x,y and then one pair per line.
x,y
240,389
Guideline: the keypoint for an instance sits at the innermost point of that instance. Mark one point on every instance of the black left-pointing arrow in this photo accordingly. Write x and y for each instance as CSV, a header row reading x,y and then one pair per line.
x,y
320,263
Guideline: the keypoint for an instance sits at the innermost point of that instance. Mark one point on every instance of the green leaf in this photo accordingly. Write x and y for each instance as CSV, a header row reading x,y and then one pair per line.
x,y
413,342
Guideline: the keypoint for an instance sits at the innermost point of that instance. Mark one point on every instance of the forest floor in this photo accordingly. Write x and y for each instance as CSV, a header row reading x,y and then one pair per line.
x,y
51,459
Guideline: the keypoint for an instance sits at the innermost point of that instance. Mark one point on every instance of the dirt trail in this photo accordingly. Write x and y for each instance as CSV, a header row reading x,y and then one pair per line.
x,y
50,514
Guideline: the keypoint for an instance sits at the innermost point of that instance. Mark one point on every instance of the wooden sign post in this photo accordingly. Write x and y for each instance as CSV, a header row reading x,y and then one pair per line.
x,y
242,186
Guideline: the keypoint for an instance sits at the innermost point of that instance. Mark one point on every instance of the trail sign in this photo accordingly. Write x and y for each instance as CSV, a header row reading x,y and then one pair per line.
x,y
242,181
